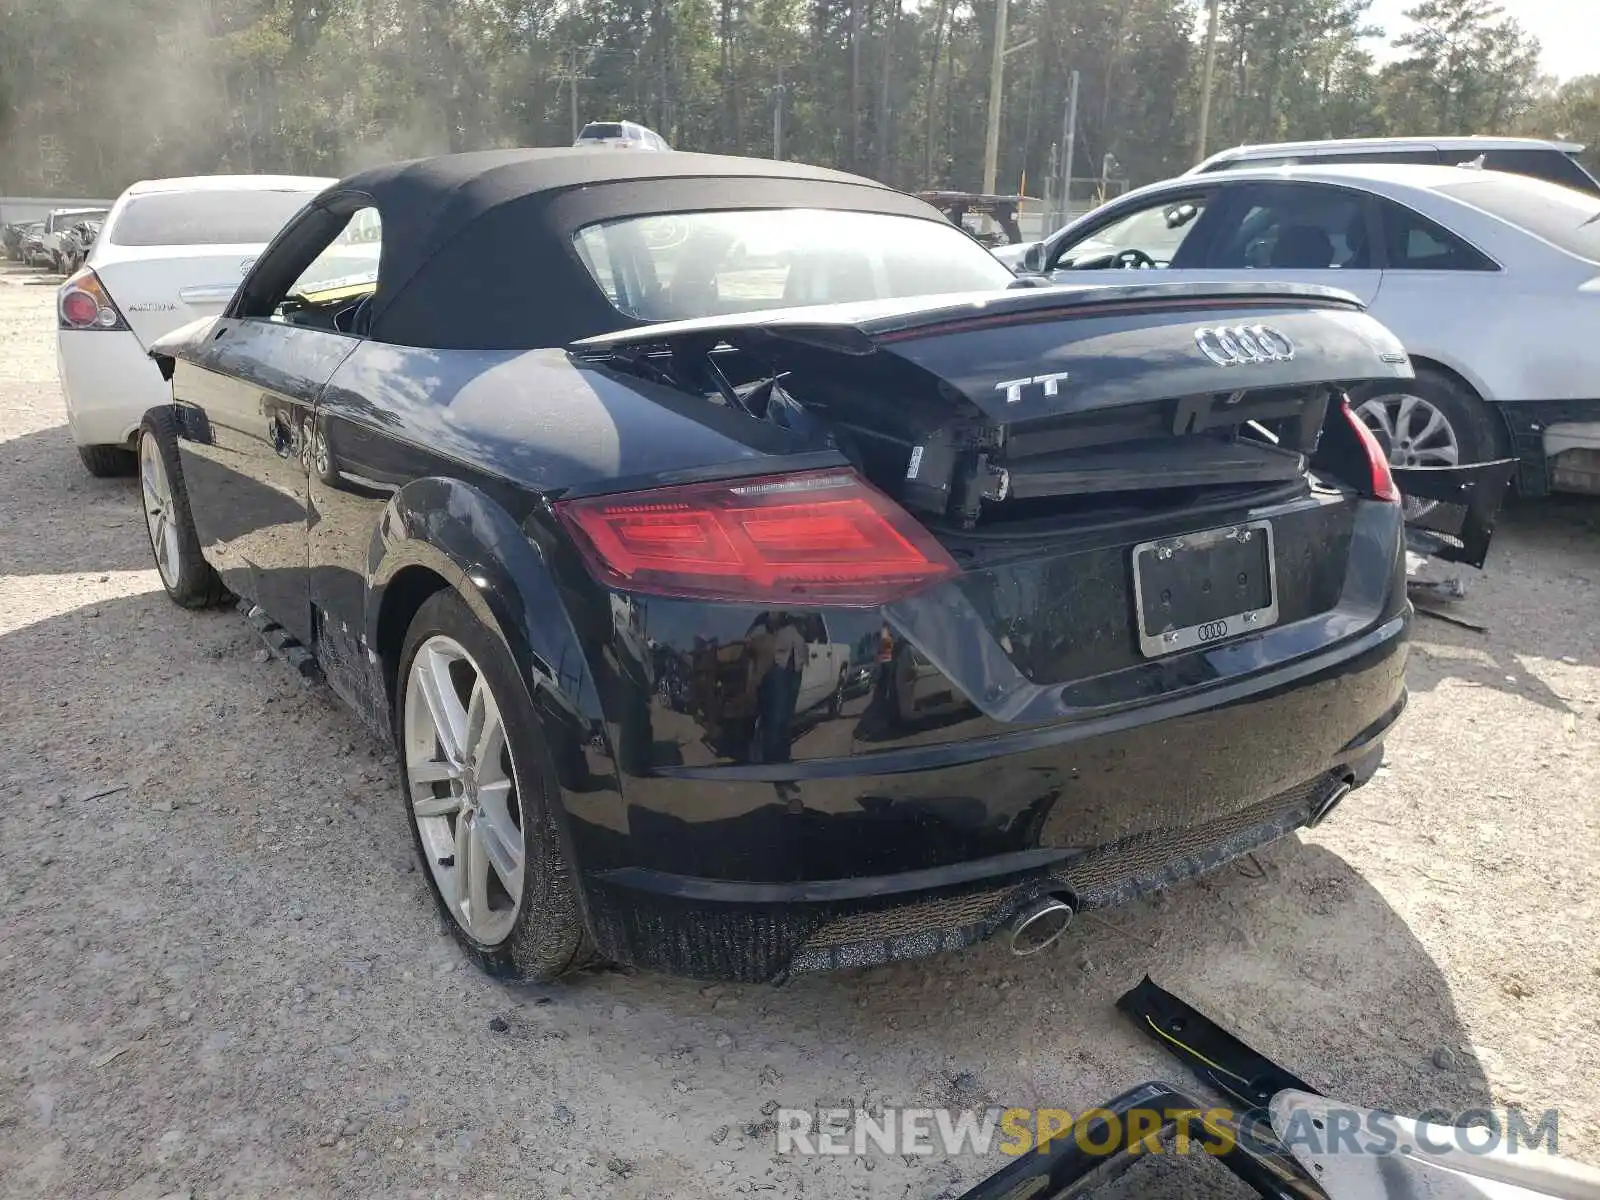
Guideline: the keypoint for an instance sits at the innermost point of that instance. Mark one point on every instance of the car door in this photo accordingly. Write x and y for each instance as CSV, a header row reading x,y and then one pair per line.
x,y
246,400
1299,232
1435,283
1162,232
1288,231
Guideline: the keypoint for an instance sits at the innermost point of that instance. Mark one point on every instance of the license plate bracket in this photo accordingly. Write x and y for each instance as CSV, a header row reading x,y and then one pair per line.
x,y
1204,587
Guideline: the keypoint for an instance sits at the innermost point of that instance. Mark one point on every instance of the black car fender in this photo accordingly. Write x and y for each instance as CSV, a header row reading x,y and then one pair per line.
x,y
459,533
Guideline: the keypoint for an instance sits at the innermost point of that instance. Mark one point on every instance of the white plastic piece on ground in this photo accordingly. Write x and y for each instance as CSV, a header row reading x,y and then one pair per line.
x,y
1438,1167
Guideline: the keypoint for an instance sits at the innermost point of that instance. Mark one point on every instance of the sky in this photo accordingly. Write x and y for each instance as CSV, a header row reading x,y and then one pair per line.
x,y
1568,31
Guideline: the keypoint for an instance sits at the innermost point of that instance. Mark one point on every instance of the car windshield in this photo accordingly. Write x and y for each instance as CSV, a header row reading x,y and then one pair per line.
x,y
600,130
206,218
703,264
1567,219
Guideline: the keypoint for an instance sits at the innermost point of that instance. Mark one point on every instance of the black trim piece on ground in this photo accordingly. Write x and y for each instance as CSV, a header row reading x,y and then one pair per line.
x,y
1458,527
1102,1144
1210,1051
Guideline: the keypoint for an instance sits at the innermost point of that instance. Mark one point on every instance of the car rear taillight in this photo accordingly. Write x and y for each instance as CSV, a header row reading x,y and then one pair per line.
x,y
821,537
1383,484
84,303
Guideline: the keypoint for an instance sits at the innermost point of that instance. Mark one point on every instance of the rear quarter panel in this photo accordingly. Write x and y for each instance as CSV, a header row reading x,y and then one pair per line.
x,y
1528,331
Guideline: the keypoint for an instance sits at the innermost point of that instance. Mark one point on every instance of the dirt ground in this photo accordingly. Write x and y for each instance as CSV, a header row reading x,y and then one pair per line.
x,y
221,975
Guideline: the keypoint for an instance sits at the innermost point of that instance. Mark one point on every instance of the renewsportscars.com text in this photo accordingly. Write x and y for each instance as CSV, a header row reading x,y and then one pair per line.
x,y
1015,1131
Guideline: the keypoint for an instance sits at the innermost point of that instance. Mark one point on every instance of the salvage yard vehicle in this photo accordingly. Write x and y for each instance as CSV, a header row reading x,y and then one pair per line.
x,y
518,487
11,236
1491,281
1556,162
620,135
57,233
170,250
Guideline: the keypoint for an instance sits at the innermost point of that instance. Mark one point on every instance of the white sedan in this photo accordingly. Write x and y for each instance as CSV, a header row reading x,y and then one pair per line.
x,y
170,250
1492,282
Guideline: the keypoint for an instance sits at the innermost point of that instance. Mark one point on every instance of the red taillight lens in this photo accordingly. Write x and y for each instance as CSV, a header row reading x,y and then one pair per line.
x,y
1383,484
84,303
823,537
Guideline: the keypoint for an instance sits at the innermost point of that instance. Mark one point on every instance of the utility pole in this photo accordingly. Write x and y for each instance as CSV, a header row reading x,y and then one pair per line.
x,y
569,75
997,68
1206,77
777,118
1069,139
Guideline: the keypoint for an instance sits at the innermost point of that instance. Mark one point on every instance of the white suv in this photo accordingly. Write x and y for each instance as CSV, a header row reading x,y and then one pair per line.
x,y
1555,162
621,135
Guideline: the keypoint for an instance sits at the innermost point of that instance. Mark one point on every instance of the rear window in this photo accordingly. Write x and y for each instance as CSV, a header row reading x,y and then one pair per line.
x,y
704,264
600,130
1565,218
1553,165
205,218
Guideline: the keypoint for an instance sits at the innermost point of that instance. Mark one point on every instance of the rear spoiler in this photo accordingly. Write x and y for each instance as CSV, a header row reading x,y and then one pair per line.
x,y
856,328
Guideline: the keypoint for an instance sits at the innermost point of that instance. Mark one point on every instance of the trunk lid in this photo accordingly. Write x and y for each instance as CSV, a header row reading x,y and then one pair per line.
x,y
974,409
159,288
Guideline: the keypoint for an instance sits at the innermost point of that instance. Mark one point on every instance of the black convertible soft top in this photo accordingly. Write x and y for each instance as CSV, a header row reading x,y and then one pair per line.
x,y
477,248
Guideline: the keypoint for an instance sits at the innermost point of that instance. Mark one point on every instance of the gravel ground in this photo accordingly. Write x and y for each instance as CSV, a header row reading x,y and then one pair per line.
x,y
221,973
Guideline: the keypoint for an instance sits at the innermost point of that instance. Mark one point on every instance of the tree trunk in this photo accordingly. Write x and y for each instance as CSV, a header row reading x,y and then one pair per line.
x,y
854,150
891,21
930,97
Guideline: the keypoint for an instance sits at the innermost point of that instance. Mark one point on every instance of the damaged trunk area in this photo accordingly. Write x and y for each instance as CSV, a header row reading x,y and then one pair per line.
x,y
1037,407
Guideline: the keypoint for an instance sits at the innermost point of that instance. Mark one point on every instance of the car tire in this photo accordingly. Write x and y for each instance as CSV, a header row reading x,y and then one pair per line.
x,y
540,933
108,462
1472,431
185,574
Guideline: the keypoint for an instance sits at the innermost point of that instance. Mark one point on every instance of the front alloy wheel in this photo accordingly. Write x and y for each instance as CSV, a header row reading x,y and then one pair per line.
x,y
158,511
462,786
163,495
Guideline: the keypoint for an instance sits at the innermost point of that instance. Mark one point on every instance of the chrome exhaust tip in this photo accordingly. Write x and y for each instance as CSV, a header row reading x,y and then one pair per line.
x,y
1329,803
1040,924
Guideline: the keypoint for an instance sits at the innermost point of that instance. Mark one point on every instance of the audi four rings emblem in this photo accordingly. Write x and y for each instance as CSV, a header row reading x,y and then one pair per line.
x,y
1212,631
1243,345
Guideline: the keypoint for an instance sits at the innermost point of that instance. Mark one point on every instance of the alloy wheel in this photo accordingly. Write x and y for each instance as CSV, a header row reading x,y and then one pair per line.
x,y
1418,434
461,785
158,514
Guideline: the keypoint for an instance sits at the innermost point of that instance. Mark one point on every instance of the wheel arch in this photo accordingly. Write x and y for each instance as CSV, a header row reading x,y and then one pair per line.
x,y
440,533
1504,434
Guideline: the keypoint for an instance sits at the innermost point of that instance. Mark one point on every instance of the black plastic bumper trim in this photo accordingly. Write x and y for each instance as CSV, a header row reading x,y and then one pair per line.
x,y
1207,1049
688,887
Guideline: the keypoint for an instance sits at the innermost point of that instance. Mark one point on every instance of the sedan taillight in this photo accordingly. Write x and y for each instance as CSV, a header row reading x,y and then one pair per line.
x,y
84,303
813,537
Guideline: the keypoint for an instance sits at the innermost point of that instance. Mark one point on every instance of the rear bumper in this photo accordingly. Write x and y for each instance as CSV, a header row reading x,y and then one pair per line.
x,y
1105,811
108,382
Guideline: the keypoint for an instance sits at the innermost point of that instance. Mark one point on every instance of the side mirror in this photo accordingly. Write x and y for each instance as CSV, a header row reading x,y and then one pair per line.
x,y
1033,258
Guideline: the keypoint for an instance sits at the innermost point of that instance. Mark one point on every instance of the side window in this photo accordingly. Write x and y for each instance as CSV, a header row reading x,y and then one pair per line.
x,y
1148,237
1297,227
1414,243
335,291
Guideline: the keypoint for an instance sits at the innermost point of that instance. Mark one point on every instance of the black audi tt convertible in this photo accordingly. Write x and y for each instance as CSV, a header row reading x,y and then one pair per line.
x,y
753,576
